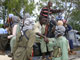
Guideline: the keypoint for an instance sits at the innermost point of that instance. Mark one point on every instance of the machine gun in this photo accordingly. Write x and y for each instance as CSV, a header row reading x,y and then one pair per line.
x,y
23,32
51,26
17,13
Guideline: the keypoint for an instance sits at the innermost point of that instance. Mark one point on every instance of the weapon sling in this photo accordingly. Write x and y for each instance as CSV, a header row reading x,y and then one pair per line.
x,y
22,26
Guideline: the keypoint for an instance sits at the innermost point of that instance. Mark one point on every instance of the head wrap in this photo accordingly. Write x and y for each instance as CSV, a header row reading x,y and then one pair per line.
x,y
27,15
59,30
10,15
28,22
15,20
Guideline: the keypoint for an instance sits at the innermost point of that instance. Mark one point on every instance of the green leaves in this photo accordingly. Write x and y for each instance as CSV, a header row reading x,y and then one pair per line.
x,y
18,4
1,25
29,7
75,15
72,15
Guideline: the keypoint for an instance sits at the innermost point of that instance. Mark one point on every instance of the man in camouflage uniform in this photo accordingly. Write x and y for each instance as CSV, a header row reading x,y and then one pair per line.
x,y
23,46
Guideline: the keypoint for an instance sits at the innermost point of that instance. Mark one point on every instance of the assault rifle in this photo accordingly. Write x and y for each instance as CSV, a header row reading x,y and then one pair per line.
x,y
17,13
23,32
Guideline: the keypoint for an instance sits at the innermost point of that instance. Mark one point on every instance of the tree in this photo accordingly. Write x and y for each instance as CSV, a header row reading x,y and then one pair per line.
x,y
18,4
75,15
72,11
72,8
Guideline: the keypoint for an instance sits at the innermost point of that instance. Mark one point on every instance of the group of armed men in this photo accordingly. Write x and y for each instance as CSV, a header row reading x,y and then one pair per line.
x,y
47,32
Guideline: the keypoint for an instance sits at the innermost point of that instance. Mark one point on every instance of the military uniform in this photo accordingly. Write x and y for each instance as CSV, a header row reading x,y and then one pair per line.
x,y
23,47
13,39
15,29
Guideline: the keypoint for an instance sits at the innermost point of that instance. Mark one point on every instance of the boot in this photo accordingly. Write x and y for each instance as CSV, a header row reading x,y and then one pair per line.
x,y
10,54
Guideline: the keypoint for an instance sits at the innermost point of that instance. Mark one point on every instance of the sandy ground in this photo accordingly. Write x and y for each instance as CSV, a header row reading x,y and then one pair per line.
x,y
4,57
75,57
71,57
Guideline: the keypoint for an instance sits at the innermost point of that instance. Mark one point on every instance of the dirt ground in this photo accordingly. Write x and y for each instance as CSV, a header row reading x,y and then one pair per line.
x,y
71,57
4,57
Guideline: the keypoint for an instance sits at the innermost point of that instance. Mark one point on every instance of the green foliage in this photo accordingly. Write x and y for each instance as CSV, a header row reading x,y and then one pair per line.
x,y
75,19
1,25
75,16
29,7
44,0
18,4
75,24
66,0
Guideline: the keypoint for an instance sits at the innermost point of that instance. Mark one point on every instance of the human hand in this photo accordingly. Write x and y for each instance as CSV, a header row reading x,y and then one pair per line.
x,y
8,37
46,40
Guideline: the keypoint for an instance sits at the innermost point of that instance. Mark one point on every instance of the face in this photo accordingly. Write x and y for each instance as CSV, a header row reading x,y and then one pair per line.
x,y
44,20
50,4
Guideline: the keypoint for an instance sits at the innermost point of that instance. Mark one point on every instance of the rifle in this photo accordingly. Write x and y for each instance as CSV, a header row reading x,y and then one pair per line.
x,y
49,26
22,26
17,13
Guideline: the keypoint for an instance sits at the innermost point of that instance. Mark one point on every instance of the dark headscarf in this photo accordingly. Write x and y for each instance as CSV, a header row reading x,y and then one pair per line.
x,y
15,20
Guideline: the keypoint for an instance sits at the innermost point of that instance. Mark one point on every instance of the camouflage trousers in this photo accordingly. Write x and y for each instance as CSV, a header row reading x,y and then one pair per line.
x,y
23,47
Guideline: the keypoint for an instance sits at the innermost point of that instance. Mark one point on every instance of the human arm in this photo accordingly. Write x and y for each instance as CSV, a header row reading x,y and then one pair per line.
x,y
13,32
38,31
56,11
43,36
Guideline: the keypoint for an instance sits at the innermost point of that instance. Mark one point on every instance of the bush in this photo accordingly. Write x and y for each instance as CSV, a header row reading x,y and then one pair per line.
x,y
1,25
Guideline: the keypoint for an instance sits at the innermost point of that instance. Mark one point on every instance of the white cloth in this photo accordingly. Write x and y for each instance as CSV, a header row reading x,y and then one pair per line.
x,y
60,30
10,15
28,24
39,29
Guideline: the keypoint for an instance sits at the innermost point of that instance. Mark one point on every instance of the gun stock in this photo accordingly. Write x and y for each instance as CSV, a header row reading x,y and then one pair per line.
x,y
17,13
